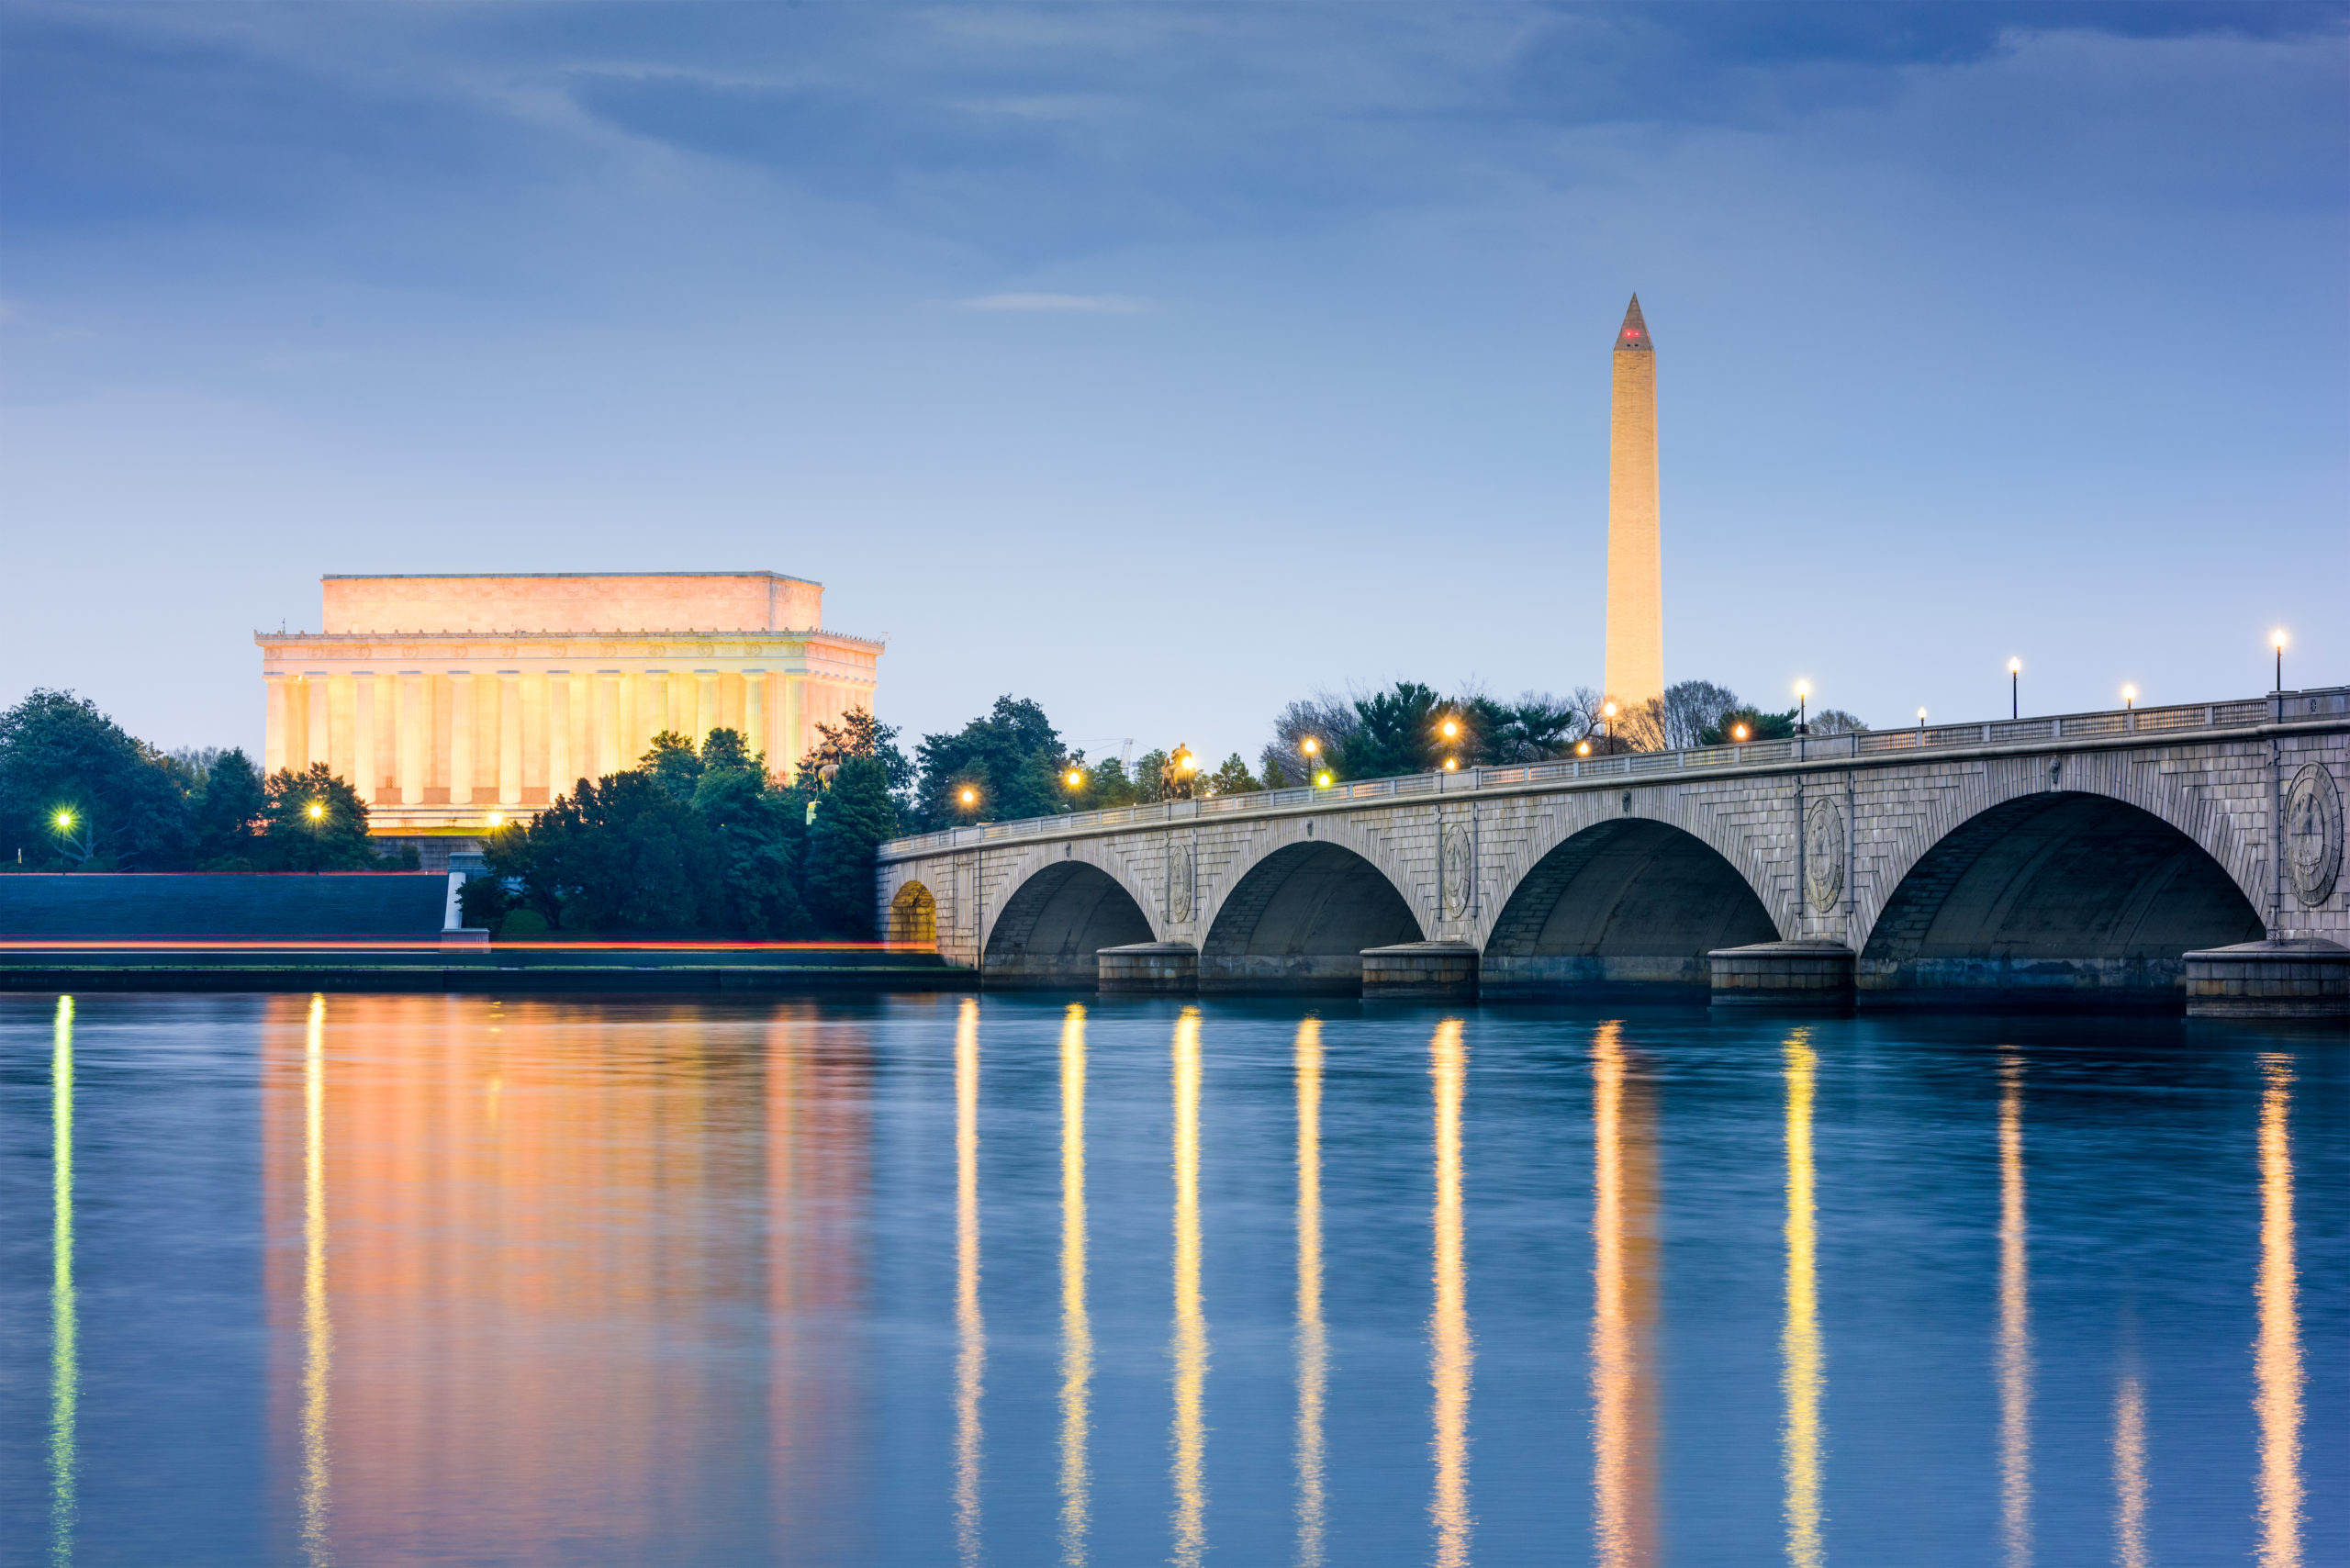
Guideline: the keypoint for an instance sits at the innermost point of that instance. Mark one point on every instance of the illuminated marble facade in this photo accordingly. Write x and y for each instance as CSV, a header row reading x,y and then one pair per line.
x,y
454,701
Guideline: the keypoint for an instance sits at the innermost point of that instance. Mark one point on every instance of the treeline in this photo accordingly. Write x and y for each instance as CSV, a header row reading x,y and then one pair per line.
x,y
79,793
705,841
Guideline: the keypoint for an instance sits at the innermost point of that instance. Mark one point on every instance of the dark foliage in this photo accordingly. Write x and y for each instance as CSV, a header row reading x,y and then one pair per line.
x,y
852,819
1012,759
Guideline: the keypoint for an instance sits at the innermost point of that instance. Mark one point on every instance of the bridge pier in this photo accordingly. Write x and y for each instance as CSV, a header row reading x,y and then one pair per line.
x,y
1420,970
2304,977
1812,975
1149,968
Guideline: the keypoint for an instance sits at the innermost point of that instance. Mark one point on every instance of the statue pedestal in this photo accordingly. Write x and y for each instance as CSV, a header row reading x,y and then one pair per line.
x,y
1149,968
2300,976
1439,969
1812,975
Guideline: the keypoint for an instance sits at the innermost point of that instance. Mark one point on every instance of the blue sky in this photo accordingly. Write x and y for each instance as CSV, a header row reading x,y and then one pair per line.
x,y
1166,363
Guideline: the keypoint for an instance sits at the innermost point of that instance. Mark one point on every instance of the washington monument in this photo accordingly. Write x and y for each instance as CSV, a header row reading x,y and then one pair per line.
x,y
1635,672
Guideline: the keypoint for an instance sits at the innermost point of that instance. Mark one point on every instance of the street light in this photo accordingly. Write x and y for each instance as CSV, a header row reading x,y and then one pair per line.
x,y
1738,733
1074,778
1322,780
1583,749
2129,698
2278,638
64,822
317,812
1451,764
967,797
1921,718
2015,689
1803,707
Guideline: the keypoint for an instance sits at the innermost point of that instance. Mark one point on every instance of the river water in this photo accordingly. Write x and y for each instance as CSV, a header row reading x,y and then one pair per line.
x,y
934,1279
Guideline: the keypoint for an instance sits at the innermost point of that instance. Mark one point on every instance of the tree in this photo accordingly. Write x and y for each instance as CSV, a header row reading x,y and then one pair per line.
x,y
1106,784
1014,757
1759,726
1232,778
125,802
852,820
1835,722
312,820
1327,721
1395,734
1692,707
1151,773
859,734
761,832
227,815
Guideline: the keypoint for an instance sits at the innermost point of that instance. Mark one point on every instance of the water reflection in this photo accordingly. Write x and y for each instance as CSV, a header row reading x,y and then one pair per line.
x,y
1623,1318
1190,1348
318,1333
64,1313
1077,1331
2130,1472
814,1136
970,1328
2276,1356
531,1201
1312,1342
2015,1327
1449,1346
1801,1361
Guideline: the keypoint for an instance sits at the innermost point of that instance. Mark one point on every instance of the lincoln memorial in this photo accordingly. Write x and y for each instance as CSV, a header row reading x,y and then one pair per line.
x,y
454,702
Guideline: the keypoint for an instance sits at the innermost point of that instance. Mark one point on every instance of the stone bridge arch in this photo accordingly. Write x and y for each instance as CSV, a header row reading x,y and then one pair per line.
x,y
1051,907
1295,908
2131,780
2076,894
1738,834
1629,901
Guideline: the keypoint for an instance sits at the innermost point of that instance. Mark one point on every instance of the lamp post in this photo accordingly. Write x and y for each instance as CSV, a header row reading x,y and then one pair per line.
x,y
2129,698
1921,720
1803,707
1310,748
2015,689
2277,639
1607,726
1451,730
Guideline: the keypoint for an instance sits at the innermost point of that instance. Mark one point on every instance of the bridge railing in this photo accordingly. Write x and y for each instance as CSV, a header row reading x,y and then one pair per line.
x,y
2332,702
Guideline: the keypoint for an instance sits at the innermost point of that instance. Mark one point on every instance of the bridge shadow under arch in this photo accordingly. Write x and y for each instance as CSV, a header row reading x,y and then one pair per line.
x,y
1052,926
1630,907
2060,897
1300,920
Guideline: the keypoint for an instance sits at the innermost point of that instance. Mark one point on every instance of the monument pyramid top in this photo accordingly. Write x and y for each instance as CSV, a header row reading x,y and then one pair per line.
x,y
1634,333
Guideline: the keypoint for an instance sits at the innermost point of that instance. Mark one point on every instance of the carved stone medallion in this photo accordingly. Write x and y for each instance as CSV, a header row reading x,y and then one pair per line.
x,y
1823,854
1457,857
2314,834
1179,882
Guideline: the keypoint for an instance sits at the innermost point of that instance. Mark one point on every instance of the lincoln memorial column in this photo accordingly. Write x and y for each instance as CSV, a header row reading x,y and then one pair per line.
x,y
791,735
558,734
321,724
655,717
581,751
273,745
755,711
705,705
362,736
410,760
607,722
460,738
509,737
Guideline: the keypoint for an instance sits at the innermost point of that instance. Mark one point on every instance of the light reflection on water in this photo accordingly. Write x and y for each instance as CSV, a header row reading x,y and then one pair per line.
x,y
2015,1328
1801,1376
1623,1308
64,1311
379,1279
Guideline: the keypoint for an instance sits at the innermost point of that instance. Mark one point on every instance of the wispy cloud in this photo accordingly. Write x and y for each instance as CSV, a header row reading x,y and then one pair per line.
x,y
1060,304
